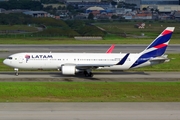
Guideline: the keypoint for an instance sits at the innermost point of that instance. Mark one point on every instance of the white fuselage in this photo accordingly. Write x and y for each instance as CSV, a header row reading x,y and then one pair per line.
x,y
56,60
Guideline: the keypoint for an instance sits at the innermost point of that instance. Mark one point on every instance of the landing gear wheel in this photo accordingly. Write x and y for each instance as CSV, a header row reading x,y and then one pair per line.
x,y
16,71
85,73
88,74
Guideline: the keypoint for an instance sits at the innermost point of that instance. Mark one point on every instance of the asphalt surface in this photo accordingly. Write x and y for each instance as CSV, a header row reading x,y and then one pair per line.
x,y
98,76
90,111
6,50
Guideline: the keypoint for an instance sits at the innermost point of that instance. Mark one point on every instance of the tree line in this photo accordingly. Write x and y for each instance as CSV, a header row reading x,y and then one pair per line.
x,y
21,4
26,4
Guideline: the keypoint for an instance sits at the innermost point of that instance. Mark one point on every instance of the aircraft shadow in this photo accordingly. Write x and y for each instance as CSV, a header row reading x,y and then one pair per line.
x,y
123,73
94,78
70,78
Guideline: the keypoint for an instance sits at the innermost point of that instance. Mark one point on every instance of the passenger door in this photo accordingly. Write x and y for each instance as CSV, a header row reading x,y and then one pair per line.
x,y
21,59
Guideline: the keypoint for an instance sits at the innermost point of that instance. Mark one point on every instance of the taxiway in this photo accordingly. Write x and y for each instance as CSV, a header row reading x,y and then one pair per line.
x,y
98,76
90,111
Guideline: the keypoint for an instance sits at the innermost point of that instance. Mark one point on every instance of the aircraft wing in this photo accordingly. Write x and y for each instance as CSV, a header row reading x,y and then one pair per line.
x,y
92,66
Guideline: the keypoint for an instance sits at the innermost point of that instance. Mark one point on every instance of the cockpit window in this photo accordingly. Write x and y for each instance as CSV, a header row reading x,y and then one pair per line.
x,y
10,58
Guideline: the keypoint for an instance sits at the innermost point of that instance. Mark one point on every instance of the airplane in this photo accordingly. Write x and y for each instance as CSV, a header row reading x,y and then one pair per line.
x,y
72,63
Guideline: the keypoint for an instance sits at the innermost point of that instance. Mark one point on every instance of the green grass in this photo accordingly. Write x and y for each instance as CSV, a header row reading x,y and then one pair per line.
x,y
89,92
64,40
172,65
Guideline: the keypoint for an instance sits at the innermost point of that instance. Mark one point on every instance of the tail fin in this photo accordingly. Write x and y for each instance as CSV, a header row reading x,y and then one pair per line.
x,y
159,45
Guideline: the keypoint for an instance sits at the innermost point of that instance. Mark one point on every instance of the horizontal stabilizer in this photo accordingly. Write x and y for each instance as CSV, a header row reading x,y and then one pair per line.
x,y
161,58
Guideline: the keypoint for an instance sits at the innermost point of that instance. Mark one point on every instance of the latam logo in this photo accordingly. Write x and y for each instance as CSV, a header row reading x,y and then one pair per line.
x,y
27,57
41,56
37,57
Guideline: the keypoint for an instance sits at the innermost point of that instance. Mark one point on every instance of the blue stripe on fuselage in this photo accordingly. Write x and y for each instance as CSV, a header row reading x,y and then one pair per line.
x,y
140,60
145,57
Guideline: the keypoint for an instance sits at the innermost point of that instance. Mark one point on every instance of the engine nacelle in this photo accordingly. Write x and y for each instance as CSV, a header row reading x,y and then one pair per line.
x,y
68,70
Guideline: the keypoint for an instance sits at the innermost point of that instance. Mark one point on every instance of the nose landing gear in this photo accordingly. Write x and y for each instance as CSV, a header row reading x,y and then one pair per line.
x,y
16,71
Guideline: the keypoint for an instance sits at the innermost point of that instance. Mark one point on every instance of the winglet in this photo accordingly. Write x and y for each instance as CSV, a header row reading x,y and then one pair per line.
x,y
110,49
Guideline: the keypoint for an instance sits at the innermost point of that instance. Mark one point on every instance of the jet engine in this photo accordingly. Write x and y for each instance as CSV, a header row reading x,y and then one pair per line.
x,y
68,70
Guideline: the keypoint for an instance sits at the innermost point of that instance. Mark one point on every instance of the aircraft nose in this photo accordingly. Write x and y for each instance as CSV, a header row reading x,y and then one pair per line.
x,y
5,62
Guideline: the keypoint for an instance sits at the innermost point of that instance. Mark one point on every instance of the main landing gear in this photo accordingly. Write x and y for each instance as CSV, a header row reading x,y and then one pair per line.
x,y
88,74
16,71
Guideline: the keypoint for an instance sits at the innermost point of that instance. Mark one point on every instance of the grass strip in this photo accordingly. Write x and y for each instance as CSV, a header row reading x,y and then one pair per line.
x,y
89,92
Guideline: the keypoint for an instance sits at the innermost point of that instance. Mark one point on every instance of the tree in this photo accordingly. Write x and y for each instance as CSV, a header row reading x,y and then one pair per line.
x,y
70,8
91,16
114,17
14,18
21,4
157,10
144,9
49,1
152,10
